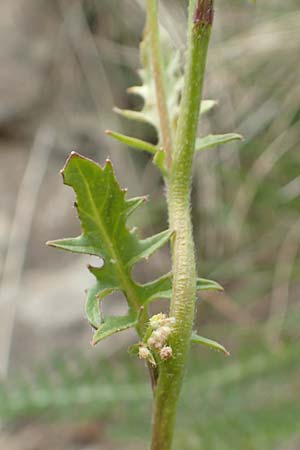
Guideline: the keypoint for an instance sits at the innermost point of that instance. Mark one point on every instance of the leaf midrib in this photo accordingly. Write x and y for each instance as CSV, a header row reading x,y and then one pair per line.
x,y
126,284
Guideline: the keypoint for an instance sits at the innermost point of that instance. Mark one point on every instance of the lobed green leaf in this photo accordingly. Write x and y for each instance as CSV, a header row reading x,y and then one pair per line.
x,y
103,211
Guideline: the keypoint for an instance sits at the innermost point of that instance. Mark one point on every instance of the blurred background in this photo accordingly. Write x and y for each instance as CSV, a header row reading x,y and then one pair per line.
x,y
64,65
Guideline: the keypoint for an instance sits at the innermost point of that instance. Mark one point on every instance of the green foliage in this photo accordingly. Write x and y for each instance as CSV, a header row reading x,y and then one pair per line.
x,y
103,211
149,112
147,91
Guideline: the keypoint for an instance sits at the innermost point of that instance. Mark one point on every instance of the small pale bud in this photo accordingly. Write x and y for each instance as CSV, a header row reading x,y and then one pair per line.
x,y
156,320
161,320
144,353
164,332
166,353
156,334
155,342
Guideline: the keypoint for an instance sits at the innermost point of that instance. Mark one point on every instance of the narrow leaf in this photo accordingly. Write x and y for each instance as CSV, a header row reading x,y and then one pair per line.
x,y
196,339
78,244
212,140
138,144
208,285
162,288
113,325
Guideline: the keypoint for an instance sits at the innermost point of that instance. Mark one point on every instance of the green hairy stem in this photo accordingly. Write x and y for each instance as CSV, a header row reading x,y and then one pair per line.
x,y
183,256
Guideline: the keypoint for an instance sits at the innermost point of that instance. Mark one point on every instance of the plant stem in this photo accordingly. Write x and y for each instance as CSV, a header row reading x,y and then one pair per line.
x,y
152,27
183,255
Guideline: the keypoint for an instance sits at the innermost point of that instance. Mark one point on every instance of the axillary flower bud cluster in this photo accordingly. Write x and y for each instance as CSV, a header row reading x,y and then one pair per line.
x,y
156,339
144,352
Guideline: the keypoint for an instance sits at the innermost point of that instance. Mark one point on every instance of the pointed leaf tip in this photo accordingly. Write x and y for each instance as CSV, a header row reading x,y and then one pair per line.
x,y
208,285
134,203
213,140
196,339
130,141
207,105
